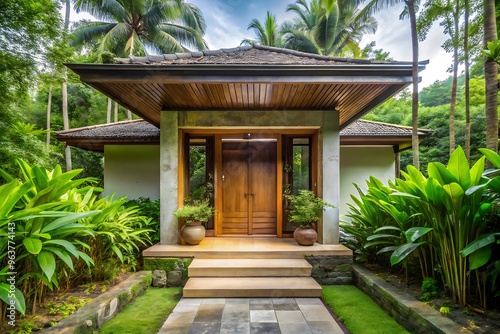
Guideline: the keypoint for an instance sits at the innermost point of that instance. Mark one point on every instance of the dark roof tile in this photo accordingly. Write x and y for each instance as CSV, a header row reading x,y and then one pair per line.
x,y
142,129
247,54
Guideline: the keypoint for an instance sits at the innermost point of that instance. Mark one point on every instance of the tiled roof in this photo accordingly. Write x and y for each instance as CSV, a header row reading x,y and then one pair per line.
x,y
140,129
126,129
256,54
366,128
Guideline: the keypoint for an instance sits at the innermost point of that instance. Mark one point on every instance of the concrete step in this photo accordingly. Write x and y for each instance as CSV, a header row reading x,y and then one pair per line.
x,y
249,268
251,287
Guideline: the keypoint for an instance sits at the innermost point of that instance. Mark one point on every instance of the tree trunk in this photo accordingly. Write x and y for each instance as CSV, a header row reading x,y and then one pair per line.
x,y
67,151
108,114
66,122
491,78
129,115
49,110
116,112
414,105
453,100
467,80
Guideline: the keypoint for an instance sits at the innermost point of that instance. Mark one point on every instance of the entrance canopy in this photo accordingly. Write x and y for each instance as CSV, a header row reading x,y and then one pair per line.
x,y
247,78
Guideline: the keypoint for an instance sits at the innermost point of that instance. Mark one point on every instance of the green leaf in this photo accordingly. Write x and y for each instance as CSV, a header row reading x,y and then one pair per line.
x,y
6,296
68,219
62,255
480,257
378,236
413,233
118,252
48,263
459,167
479,243
403,251
69,247
492,156
33,245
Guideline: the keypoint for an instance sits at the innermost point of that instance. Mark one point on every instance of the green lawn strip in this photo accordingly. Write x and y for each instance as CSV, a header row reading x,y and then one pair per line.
x,y
359,313
146,314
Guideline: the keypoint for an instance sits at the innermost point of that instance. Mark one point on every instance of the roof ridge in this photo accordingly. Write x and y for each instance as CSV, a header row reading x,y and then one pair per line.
x,y
90,127
392,124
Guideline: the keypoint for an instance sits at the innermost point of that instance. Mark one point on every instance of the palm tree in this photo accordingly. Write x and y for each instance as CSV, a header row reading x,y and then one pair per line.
x,y
449,12
491,78
329,27
268,34
140,27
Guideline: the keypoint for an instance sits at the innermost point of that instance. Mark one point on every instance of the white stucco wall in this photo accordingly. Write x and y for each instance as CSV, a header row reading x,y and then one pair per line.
x,y
357,164
132,170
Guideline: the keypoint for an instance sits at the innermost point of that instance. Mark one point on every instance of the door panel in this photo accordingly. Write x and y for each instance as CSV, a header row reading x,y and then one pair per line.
x,y
262,184
249,187
234,188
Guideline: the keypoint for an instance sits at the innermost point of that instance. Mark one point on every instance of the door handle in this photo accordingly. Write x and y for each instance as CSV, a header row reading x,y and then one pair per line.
x,y
223,178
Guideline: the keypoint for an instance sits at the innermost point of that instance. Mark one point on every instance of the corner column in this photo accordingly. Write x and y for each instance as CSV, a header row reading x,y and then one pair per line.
x,y
328,231
169,177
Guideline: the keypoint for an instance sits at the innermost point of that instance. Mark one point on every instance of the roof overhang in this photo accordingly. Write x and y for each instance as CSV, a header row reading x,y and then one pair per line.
x,y
149,89
137,132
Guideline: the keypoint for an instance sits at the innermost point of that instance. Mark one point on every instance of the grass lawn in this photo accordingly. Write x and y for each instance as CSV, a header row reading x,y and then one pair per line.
x,y
359,313
146,314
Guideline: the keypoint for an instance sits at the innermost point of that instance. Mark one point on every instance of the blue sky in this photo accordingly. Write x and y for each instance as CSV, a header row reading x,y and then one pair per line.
x,y
227,22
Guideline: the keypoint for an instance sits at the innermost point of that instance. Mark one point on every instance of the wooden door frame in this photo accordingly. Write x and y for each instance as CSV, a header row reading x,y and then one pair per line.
x,y
219,133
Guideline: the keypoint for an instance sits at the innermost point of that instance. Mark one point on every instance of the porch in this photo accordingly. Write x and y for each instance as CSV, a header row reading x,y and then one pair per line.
x,y
254,267
247,248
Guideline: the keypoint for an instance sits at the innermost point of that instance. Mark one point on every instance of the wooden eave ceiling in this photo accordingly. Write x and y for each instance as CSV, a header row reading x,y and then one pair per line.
x,y
146,90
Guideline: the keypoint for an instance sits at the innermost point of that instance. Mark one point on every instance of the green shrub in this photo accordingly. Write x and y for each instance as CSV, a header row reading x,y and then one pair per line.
x,y
450,205
429,289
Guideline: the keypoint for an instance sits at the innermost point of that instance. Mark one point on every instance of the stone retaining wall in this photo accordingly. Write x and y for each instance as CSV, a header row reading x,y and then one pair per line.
x,y
331,270
168,271
412,314
95,313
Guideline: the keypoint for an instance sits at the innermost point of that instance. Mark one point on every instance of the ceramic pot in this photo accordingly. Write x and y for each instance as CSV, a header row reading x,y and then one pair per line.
x,y
305,236
193,233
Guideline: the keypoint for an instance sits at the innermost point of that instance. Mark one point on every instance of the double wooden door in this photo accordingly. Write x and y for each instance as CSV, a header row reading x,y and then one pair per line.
x,y
248,179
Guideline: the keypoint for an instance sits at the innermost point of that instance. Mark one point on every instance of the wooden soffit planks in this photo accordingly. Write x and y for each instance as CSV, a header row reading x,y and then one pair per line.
x,y
147,90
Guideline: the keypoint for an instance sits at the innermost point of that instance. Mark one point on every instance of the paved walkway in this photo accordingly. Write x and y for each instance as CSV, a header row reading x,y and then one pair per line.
x,y
250,316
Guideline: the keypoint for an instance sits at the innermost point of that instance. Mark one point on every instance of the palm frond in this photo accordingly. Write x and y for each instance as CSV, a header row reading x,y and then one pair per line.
x,y
103,10
162,42
185,35
89,32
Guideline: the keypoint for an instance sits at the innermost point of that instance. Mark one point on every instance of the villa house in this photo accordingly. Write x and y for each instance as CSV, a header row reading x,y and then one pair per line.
x,y
252,108
263,120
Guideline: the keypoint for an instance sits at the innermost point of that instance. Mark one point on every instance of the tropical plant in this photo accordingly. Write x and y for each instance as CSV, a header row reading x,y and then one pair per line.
x,y
265,34
305,208
328,27
363,218
44,228
198,210
449,201
140,27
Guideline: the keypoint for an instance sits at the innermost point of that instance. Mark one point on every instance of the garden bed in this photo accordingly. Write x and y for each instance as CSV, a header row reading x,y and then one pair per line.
x,y
467,317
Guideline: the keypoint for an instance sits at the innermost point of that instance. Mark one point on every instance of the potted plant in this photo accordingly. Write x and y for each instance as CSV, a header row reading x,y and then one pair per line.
x,y
304,210
195,214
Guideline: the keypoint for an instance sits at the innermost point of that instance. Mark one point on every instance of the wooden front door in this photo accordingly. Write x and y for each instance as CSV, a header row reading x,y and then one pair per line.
x,y
249,186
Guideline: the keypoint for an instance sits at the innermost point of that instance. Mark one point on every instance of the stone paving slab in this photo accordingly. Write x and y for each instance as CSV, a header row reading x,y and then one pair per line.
x,y
250,316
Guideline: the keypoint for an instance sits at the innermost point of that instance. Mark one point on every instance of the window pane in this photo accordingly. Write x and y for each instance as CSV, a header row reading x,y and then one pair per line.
x,y
300,168
197,172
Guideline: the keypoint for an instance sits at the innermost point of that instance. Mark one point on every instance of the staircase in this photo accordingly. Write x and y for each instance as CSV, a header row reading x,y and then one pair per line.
x,y
264,277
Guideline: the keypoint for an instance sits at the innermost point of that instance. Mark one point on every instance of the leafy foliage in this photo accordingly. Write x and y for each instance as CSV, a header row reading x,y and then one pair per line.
x,y
305,208
447,210
198,210
134,27
51,222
